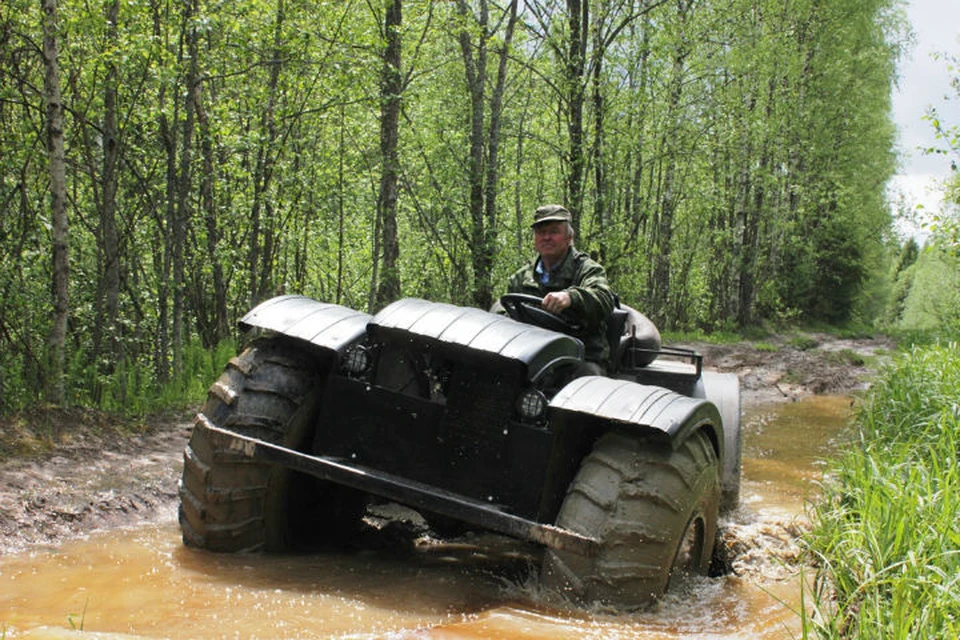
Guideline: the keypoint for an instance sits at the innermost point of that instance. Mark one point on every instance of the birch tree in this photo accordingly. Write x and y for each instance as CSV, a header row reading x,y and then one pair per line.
x,y
53,102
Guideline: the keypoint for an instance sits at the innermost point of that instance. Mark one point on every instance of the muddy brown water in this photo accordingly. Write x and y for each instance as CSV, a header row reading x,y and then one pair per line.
x,y
142,583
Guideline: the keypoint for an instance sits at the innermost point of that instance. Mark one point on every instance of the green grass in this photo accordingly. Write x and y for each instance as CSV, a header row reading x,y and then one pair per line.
x,y
114,405
886,532
851,330
712,337
846,356
803,342
766,347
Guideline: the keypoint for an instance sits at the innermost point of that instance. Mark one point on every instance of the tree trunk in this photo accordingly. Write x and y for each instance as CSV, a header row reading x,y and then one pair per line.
x,y
56,383
183,210
162,258
578,16
341,213
106,338
475,66
754,200
599,170
483,172
391,87
492,178
219,325
635,200
667,206
167,134
261,241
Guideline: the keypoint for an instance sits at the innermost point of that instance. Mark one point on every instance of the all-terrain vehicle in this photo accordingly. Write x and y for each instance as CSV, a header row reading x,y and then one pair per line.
x,y
469,417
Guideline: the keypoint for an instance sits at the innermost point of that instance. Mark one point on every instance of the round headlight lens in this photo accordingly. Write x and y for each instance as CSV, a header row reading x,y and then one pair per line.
x,y
356,360
532,405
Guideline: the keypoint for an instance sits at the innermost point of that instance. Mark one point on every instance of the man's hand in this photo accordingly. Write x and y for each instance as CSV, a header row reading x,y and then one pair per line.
x,y
556,301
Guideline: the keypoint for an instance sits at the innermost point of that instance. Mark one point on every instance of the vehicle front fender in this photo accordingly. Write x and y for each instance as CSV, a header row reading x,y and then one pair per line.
x,y
723,390
662,413
329,326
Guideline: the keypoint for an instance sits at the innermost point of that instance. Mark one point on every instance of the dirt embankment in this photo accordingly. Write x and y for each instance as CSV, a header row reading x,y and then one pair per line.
x,y
84,475
784,369
95,475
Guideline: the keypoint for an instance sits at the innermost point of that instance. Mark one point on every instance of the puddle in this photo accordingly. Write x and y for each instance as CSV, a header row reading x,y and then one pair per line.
x,y
142,582
783,447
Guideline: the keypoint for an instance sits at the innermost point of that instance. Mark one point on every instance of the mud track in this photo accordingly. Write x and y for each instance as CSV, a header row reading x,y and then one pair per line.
x,y
65,474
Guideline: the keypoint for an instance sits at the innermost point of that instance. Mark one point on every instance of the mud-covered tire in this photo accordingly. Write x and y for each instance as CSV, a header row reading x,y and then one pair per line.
x,y
653,509
230,503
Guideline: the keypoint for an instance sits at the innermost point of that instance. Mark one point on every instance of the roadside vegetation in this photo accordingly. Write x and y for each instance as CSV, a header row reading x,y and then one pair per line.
x,y
127,402
886,533
166,166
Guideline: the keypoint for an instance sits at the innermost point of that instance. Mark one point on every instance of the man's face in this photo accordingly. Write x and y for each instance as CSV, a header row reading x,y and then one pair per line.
x,y
551,240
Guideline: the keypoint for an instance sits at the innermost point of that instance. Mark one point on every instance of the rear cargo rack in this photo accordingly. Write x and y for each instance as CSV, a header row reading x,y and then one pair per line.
x,y
673,361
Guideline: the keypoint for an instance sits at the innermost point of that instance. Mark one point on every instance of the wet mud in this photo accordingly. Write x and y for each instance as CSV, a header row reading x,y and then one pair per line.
x,y
82,503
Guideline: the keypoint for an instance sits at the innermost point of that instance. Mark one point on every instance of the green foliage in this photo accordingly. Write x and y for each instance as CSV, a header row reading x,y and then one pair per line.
x,y
927,284
885,533
851,330
945,225
757,332
932,303
908,255
78,625
133,389
901,292
202,367
913,392
733,157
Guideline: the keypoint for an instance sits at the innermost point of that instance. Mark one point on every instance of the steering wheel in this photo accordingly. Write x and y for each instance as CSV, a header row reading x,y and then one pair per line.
x,y
529,309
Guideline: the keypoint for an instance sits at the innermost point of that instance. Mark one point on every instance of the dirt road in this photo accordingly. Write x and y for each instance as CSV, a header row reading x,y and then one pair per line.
x,y
86,477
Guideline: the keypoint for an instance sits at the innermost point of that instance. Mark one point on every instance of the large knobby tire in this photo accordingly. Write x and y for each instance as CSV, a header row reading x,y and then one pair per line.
x,y
653,509
230,503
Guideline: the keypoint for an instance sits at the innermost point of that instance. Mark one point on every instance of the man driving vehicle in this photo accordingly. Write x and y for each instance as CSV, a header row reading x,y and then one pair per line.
x,y
571,284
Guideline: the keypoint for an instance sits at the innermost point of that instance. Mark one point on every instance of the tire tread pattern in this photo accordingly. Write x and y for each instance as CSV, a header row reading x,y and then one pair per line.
x,y
638,499
223,495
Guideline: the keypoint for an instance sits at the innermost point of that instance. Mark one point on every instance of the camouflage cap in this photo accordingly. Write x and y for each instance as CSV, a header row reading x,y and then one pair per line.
x,y
550,212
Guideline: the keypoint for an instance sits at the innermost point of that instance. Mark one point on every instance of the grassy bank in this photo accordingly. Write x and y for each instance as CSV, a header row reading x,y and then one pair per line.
x,y
109,406
886,535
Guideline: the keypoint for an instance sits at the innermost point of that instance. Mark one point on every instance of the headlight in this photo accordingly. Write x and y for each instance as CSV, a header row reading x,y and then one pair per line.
x,y
356,361
532,405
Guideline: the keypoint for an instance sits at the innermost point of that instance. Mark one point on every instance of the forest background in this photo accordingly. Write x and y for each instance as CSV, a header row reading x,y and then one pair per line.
x,y
164,166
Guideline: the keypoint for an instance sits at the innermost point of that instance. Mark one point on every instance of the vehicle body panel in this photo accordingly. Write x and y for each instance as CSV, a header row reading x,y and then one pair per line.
x,y
436,412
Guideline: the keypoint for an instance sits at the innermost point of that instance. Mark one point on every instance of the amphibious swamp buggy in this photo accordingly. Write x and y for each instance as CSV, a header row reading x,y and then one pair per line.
x,y
470,417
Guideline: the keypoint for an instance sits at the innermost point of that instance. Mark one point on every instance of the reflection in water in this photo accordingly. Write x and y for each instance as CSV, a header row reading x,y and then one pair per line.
x,y
784,445
144,583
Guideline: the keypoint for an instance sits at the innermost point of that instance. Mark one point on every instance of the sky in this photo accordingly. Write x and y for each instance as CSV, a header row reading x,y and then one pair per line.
x,y
925,82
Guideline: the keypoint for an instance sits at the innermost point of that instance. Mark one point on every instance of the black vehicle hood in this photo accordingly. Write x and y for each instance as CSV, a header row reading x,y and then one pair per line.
x,y
462,329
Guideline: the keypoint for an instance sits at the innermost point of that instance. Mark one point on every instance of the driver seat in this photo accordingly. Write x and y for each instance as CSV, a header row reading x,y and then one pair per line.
x,y
634,339
616,332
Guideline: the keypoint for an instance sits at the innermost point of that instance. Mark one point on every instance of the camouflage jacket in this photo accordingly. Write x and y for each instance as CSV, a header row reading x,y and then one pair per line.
x,y
591,298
